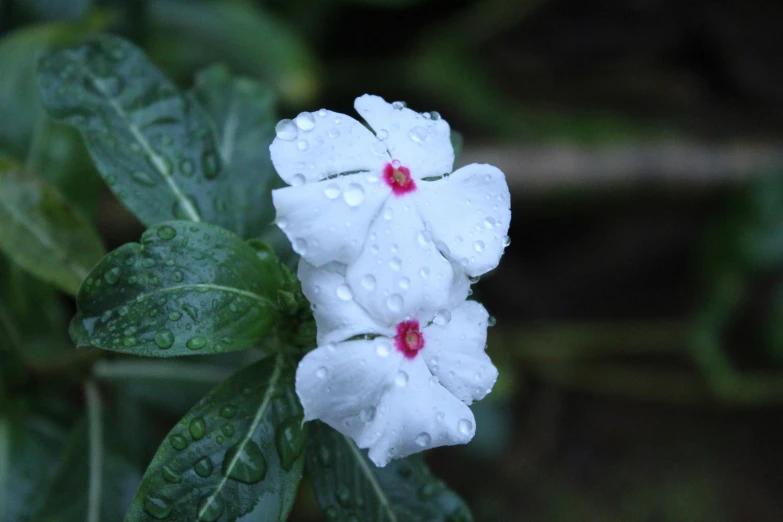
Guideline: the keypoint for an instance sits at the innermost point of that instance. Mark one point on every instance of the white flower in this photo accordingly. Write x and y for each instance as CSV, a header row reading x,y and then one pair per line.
x,y
403,391
390,226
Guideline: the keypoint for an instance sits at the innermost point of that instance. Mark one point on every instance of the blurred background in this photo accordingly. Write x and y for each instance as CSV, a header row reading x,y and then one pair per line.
x,y
639,307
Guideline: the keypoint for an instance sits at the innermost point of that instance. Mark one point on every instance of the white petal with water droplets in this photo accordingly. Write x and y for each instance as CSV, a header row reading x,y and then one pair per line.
x,y
337,317
469,213
328,221
454,352
419,415
312,147
393,260
423,145
342,384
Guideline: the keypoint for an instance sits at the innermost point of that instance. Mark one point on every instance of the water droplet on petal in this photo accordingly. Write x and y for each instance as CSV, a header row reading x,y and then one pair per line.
x,y
334,133
491,321
368,282
300,246
424,272
405,283
423,439
302,145
395,264
305,121
383,349
322,113
382,134
332,191
367,414
490,223
379,148
394,302
286,130
401,379
418,134
354,195
388,214
321,372
506,241
465,426
298,180
478,246
344,292
442,318
398,105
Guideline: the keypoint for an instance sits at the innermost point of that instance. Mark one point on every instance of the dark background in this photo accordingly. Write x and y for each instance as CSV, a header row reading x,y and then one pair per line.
x,y
639,306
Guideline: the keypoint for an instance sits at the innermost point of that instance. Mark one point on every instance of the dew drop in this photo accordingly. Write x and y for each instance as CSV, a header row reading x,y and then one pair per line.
x,y
506,241
157,506
478,246
322,113
228,411
424,272
300,246
388,214
332,191
465,426
141,177
178,442
321,372
171,476
186,168
298,180
398,105
290,441
210,508
367,414
490,223
405,283
395,264
442,318
334,133
164,339
203,467
394,302
354,195
401,379
196,343
383,349
302,145
197,428
418,134
112,275
305,121
286,130
491,321
379,148
423,439
245,463
368,282
382,134
344,292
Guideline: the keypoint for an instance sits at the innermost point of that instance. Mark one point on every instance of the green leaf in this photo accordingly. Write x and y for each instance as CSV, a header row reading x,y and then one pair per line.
x,y
185,37
349,487
152,144
240,448
29,450
243,118
53,150
187,289
42,232
94,482
33,320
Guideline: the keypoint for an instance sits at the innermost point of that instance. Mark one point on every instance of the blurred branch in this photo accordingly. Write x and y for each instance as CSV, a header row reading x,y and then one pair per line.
x,y
161,370
672,163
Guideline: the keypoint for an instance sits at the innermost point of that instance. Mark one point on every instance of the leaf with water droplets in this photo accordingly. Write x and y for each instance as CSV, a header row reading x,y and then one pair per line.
x,y
239,452
347,484
187,289
242,114
153,145
42,232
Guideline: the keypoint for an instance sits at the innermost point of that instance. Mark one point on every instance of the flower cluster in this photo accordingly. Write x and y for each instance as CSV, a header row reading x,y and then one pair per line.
x,y
389,240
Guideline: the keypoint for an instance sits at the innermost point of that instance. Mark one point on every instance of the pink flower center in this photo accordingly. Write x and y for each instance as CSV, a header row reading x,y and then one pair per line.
x,y
409,339
398,178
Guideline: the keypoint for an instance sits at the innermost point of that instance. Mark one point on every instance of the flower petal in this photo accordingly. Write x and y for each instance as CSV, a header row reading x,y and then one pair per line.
x,y
455,354
337,315
328,221
423,145
322,144
400,273
469,212
417,413
346,381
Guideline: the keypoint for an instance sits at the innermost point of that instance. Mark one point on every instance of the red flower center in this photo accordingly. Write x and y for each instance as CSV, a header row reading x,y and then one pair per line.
x,y
409,339
398,178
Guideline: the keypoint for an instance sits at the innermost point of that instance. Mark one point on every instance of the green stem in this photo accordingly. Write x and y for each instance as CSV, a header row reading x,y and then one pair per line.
x,y
95,426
